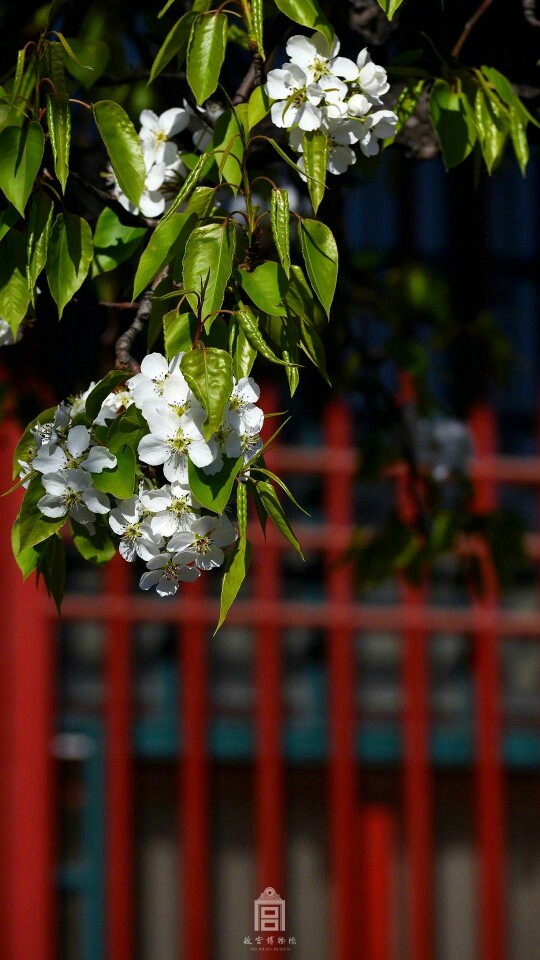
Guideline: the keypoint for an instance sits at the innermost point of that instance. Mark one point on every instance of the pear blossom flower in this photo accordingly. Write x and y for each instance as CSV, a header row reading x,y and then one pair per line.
x,y
72,494
203,543
114,404
165,573
156,131
155,374
77,451
340,135
242,413
173,440
296,100
77,402
171,506
244,444
318,60
202,121
371,79
137,538
378,126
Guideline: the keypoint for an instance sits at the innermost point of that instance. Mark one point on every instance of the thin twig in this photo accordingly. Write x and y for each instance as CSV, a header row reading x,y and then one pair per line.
x,y
113,305
124,360
485,5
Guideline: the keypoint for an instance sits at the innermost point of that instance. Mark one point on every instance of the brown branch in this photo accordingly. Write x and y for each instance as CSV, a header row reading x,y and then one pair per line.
x,y
124,360
485,5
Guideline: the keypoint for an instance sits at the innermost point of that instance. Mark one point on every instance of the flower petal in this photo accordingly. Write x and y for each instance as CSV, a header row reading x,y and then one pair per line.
x,y
52,506
173,121
98,459
153,450
78,440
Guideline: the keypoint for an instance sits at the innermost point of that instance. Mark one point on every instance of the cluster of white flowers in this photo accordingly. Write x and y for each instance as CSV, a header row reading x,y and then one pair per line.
x,y
319,90
163,524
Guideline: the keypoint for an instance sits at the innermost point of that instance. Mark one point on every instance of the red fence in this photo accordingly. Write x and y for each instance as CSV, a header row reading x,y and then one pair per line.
x,y
361,838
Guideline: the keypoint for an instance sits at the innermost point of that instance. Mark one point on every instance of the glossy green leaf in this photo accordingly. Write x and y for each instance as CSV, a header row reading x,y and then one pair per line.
x,y
91,59
52,65
236,568
123,147
120,481
492,125
98,548
243,353
27,560
37,237
21,153
309,14
389,6
205,55
519,139
179,330
189,184
320,254
167,241
201,202
407,101
271,504
249,323
33,526
242,509
279,218
213,491
24,80
228,148
101,391
300,301
174,45
275,479
452,122
312,346
315,143
68,258
129,428
14,296
114,242
8,218
208,372
208,263
258,106
59,123
266,286
51,566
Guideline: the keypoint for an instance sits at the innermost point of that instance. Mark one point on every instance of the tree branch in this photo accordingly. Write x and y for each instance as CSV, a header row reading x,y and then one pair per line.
x,y
124,360
485,5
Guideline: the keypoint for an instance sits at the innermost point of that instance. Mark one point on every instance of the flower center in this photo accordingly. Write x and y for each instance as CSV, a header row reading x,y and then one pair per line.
x,y
72,497
179,506
179,443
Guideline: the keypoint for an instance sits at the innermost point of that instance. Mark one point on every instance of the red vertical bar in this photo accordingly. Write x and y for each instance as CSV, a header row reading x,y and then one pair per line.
x,y
194,784
341,675
488,769
27,779
417,781
268,761
119,774
376,847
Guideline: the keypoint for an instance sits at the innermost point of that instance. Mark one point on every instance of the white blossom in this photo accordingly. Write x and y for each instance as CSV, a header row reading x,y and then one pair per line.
x,y
242,412
156,131
377,126
318,60
72,494
137,538
202,121
172,507
165,573
154,376
370,78
203,542
243,444
78,450
114,404
173,439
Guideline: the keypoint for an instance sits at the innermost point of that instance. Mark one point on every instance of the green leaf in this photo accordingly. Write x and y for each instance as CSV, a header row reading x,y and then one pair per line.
x,y
452,123
21,153
407,101
52,65
174,45
205,55
228,148
201,202
309,14
257,14
189,183
86,60
123,147
51,566
114,243
101,391
242,352
249,323
159,306
208,372
59,122
27,560
280,483
519,139
33,526
389,6
258,106
279,218
266,286
213,491
8,218
179,330
209,260
300,301
242,509
23,83
37,237
507,93
315,144
492,125
271,504
120,481
98,548
14,296
69,257
167,241
320,254
236,568
289,350
129,428
312,345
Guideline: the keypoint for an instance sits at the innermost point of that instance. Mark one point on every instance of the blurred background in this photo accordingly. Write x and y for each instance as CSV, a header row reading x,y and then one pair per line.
x,y
363,734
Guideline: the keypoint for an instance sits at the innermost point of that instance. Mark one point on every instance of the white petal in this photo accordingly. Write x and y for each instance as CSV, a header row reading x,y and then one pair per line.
x,y
96,501
188,574
152,204
98,459
153,450
52,506
117,522
156,500
343,67
163,421
166,588
213,557
176,468
310,117
156,563
82,514
278,84
164,524
154,366
50,459
149,579
54,484
301,50
149,119
340,159
128,550
173,121
201,453
284,116
247,390
78,440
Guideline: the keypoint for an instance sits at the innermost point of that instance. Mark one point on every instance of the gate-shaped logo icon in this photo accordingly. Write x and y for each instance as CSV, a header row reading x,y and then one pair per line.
x,y
269,912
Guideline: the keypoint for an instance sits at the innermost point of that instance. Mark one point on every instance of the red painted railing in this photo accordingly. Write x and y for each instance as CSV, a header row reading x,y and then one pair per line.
x,y
361,837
